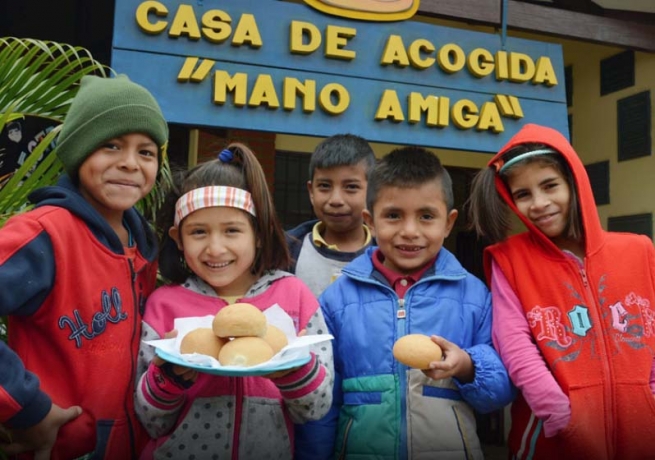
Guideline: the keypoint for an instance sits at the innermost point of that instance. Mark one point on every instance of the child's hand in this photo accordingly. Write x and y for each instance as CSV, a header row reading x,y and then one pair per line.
x,y
455,363
40,438
280,374
181,376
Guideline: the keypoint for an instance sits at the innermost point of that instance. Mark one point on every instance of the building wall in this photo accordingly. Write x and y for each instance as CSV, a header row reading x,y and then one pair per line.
x,y
594,117
595,128
594,133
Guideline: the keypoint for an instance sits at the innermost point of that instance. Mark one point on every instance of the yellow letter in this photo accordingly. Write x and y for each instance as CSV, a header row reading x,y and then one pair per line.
x,y
436,108
545,73
389,107
342,95
394,52
298,30
521,67
216,24
335,40
490,118
247,32
224,83
415,53
142,13
293,87
264,93
185,22
480,62
187,71
509,106
502,68
451,58
464,114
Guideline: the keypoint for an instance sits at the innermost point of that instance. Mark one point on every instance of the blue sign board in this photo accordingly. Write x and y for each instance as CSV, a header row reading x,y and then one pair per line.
x,y
284,67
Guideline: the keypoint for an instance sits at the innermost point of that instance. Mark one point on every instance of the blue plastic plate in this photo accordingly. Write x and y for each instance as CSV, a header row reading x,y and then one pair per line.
x,y
233,371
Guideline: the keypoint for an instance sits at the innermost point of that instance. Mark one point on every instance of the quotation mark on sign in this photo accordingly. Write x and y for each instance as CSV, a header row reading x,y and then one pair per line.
x,y
193,72
509,106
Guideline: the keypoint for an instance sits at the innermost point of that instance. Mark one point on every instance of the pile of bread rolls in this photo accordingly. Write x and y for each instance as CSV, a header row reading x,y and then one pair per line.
x,y
240,336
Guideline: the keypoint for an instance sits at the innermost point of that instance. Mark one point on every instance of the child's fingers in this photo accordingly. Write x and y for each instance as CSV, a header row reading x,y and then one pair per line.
x,y
168,335
171,334
436,373
180,375
279,374
186,373
443,343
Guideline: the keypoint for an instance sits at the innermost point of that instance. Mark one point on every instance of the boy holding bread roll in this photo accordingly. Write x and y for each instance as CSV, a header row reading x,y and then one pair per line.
x,y
223,253
411,293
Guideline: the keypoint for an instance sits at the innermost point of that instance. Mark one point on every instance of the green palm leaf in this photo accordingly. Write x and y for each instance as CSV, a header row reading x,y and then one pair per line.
x,y
30,176
41,78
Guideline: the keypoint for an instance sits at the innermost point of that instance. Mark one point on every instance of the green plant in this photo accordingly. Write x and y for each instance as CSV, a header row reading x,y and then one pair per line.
x,y
41,78
38,78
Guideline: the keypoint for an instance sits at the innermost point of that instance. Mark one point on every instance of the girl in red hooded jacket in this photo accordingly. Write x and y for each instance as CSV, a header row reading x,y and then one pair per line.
x,y
573,305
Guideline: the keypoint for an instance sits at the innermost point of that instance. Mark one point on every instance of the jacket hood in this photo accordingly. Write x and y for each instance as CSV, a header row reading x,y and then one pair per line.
x,y
66,195
592,229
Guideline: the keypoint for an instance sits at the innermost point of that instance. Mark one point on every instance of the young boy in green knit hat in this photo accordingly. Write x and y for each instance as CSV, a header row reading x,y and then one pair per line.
x,y
74,275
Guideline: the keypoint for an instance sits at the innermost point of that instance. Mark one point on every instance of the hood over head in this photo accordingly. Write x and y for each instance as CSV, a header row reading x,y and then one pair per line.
x,y
532,133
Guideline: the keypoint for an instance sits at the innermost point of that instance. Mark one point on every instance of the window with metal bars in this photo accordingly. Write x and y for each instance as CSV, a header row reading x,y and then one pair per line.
x,y
291,196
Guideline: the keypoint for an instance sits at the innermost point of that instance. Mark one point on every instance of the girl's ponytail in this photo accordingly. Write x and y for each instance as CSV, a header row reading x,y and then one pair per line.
x,y
487,212
272,252
235,166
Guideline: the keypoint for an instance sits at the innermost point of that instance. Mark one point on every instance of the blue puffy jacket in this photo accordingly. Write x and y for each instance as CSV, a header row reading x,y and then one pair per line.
x,y
384,410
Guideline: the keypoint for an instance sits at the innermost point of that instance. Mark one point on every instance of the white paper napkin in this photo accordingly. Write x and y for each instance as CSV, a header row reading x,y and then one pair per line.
x,y
298,347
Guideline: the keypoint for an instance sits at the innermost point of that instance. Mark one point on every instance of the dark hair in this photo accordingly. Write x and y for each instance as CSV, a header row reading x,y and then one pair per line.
x,y
242,171
408,167
341,150
489,214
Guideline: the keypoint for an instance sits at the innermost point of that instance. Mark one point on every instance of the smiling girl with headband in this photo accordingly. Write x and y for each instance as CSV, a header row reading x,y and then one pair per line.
x,y
223,244
573,306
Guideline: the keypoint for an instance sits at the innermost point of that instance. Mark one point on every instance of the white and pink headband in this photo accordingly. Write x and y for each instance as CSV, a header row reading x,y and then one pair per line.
x,y
209,197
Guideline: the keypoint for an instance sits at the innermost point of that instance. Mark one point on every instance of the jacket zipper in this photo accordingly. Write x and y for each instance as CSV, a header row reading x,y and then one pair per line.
x,y
401,330
238,408
135,315
607,370
401,369
346,433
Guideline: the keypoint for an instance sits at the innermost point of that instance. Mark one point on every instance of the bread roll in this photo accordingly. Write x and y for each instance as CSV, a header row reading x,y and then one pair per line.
x,y
245,351
203,341
239,320
275,338
417,351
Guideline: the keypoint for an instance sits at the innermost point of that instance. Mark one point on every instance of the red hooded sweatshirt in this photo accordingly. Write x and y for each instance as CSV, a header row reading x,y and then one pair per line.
x,y
593,324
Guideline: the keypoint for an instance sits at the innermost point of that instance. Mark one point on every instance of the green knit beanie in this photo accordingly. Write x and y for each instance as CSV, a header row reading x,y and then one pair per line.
x,y
103,109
